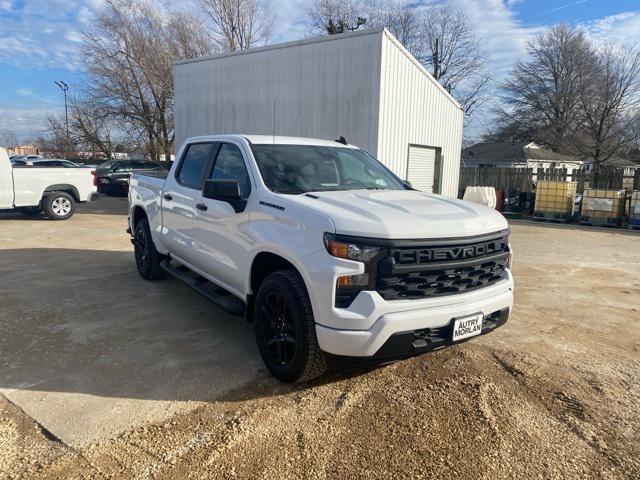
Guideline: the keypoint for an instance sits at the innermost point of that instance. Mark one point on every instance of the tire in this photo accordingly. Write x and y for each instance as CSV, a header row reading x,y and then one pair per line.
x,y
30,211
59,205
147,257
285,329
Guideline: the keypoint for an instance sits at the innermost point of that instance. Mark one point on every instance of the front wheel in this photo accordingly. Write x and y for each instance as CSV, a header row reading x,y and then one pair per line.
x,y
285,328
59,205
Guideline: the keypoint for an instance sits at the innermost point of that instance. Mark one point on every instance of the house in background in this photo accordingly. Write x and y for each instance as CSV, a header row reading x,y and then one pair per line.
x,y
517,155
23,150
629,166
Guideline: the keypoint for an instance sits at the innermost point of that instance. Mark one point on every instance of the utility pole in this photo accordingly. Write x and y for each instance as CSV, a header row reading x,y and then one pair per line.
x,y
64,87
436,60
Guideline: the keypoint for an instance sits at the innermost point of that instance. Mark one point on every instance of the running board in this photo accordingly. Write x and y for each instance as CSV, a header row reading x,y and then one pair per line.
x,y
218,295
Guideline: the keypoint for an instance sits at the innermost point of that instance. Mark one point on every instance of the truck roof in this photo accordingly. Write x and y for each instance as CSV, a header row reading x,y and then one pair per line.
x,y
277,140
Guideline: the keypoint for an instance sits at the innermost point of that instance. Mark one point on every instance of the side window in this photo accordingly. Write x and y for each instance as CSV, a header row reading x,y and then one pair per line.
x,y
194,163
230,166
124,166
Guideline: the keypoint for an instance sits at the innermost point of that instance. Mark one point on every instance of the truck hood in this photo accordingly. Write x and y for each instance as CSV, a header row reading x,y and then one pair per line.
x,y
402,214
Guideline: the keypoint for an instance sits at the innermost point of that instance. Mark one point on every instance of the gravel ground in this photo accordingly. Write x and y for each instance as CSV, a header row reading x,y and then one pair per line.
x,y
553,394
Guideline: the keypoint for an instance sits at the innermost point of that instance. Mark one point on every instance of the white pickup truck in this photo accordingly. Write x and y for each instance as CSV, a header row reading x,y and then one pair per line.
x,y
53,191
333,257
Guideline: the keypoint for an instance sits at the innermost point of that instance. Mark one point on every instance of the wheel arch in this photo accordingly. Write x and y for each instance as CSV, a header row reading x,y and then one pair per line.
x,y
138,213
62,187
264,263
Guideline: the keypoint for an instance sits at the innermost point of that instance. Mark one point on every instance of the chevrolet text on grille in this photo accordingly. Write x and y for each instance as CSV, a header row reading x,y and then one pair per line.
x,y
451,253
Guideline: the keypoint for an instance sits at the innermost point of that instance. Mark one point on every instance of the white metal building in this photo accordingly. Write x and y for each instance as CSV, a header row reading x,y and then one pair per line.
x,y
362,85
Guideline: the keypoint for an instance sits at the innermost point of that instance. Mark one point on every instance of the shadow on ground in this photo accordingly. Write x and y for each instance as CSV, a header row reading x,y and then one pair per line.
x,y
83,321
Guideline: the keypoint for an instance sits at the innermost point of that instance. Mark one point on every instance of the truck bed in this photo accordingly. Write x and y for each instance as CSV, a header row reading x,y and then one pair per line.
x,y
153,173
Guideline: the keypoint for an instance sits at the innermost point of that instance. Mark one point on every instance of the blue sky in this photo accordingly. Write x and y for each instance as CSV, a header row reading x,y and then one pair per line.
x,y
40,40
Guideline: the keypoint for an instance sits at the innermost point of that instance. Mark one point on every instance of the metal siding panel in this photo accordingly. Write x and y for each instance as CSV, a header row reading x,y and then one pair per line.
x,y
321,89
416,112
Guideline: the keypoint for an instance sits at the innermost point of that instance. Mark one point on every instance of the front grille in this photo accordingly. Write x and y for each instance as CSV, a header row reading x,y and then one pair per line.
x,y
440,268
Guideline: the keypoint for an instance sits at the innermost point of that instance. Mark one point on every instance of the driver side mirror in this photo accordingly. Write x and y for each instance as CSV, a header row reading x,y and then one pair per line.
x,y
407,184
225,191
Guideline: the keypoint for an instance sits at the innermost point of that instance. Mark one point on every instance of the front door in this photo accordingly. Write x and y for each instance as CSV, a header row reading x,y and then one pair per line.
x,y
220,233
180,195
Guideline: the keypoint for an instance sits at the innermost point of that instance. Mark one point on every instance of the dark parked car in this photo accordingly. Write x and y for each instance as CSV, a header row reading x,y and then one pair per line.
x,y
113,176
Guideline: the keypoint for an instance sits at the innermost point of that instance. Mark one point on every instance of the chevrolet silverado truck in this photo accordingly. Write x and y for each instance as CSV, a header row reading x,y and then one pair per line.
x,y
334,258
33,190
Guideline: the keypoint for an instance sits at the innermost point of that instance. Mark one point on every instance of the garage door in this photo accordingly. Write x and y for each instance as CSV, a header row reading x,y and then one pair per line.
x,y
421,171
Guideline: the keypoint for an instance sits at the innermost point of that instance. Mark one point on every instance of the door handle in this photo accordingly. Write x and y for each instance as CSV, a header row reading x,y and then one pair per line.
x,y
201,206
166,196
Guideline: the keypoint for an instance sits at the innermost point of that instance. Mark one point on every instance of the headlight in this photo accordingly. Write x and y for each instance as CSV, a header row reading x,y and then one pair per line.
x,y
350,251
348,287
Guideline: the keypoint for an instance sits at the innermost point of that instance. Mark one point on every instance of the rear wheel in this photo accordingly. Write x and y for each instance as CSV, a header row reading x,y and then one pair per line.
x,y
147,257
59,205
285,328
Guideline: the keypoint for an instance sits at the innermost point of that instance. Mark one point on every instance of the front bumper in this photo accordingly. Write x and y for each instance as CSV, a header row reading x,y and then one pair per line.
x,y
408,344
390,318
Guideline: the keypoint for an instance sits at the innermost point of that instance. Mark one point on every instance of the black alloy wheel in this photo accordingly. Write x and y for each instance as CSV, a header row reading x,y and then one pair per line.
x,y
278,329
147,257
285,328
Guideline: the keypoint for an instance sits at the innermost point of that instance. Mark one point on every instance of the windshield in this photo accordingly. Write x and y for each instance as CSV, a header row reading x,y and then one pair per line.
x,y
106,165
295,169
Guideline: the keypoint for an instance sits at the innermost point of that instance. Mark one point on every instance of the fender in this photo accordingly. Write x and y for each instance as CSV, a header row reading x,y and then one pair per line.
x,y
63,187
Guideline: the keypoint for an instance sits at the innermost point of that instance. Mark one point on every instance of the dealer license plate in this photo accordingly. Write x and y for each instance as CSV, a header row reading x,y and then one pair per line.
x,y
466,327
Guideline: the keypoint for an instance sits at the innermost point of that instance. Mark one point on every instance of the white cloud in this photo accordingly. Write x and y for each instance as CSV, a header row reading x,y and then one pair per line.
x,y
623,28
25,122
291,19
502,35
43,33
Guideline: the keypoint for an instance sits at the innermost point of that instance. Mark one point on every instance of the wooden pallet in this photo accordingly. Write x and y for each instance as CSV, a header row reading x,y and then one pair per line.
x,y
513,215
604,223
551,217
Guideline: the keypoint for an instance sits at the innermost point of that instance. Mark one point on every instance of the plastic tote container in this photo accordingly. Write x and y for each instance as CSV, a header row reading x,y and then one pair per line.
x,y
554,200
603,207
634,210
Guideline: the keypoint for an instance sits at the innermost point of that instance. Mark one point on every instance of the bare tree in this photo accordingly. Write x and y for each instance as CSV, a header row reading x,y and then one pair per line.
x,y
92,125
400,18
238,24
53,141
460,62
333,16
9,139
609,97
450,47
542,94
129,52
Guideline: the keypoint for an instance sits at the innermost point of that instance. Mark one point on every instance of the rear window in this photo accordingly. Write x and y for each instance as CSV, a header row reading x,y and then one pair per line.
x,y
194,163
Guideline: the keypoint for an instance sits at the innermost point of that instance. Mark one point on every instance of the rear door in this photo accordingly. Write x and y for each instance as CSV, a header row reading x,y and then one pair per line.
x,y
180,195
220,232
423,168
